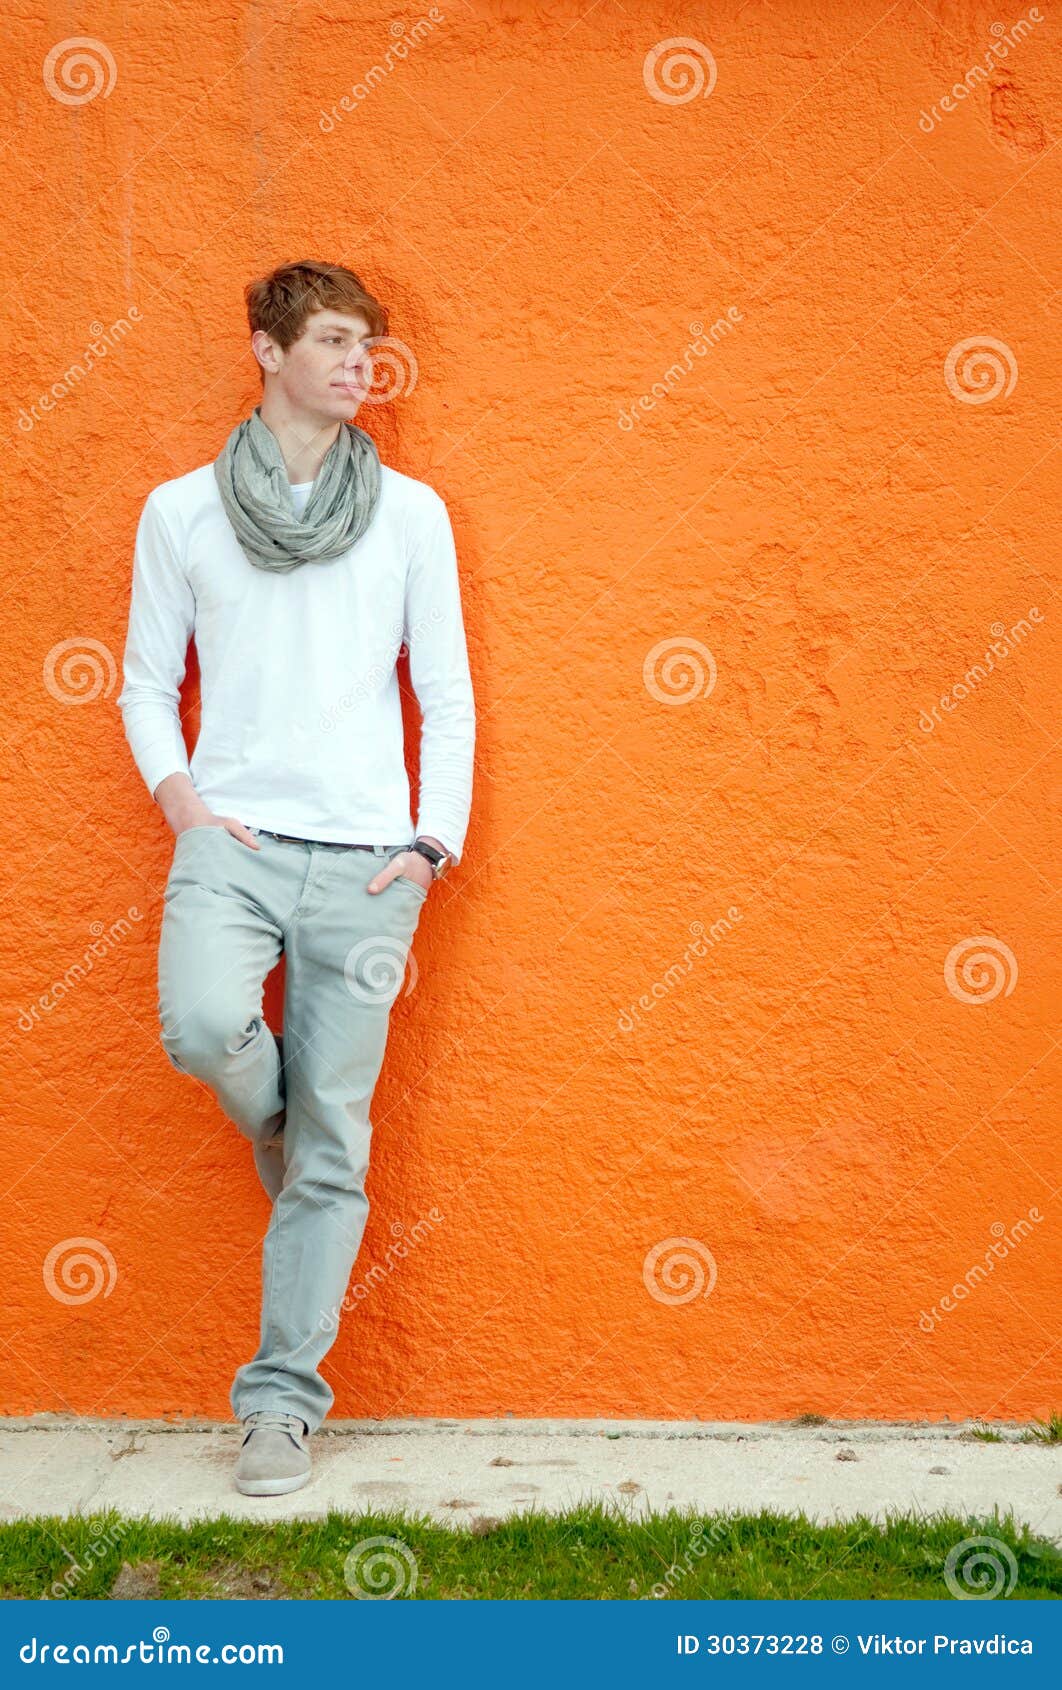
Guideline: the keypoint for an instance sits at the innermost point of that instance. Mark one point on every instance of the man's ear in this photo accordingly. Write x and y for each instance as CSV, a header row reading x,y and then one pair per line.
x,y
265,351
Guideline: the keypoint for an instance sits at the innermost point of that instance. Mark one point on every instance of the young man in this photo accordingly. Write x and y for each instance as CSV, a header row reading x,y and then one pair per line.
x,y
300,564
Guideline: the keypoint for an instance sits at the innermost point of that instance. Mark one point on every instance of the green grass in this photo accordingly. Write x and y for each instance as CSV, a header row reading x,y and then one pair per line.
x,y
1044,1431
1047,1431
589,1552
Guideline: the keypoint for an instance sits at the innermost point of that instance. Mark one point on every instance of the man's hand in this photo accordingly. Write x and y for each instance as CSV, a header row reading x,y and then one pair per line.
x,y
183,808
408,863
229,823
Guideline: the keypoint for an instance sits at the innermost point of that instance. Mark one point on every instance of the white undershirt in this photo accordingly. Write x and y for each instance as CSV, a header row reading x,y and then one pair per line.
x,y
301,720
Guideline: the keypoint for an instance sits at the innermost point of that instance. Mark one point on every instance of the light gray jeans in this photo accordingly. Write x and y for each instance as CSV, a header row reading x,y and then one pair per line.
x,y
229,912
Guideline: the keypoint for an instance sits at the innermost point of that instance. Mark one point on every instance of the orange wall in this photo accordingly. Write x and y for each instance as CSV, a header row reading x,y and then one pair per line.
x,y
839,516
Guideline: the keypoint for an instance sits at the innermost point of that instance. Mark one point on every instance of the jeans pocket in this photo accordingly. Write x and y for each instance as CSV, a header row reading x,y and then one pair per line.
x,y
200,827
188,863
414,885
402,879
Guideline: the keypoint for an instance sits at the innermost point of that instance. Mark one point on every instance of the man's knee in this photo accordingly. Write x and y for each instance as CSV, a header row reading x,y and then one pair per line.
x,y
328,1172
204,1038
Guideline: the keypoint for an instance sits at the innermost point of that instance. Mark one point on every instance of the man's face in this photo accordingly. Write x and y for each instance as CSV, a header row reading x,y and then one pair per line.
x,y
328,370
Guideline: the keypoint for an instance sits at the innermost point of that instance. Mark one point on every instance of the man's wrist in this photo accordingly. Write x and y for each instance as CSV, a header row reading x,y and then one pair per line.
x,y
435,853
179,801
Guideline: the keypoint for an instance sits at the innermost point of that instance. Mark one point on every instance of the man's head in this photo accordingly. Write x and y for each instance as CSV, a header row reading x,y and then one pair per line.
x,y
312,326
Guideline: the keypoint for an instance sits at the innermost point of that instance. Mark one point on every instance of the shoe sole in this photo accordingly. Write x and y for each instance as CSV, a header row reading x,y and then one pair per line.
x,y
272,1487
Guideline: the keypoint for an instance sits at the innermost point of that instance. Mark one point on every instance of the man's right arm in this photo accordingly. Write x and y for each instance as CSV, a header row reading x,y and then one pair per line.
x,y
161,623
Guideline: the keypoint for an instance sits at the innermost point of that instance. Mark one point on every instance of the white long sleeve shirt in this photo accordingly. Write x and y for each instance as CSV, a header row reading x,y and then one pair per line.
x,y
301,719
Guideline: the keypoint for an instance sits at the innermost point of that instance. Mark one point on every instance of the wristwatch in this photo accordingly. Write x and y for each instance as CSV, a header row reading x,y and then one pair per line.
x,y
440,860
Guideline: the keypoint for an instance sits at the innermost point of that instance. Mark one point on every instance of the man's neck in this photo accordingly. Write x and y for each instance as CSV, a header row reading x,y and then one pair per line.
x,y
304,440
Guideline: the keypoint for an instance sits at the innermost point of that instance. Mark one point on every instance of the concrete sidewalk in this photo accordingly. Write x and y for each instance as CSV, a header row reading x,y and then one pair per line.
x,y
458,1471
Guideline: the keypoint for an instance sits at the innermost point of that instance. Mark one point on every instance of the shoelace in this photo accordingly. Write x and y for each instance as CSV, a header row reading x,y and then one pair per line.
x,y
271,1417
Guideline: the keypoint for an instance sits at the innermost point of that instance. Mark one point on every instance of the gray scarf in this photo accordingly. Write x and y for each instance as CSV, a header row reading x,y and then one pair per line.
x,y
256,493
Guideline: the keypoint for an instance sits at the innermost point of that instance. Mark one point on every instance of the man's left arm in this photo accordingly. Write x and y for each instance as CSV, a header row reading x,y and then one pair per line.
x,y
439,671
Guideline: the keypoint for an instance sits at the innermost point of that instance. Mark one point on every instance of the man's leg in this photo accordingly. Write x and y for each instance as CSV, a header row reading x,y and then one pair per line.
x,y
220,938
269,1153
346,952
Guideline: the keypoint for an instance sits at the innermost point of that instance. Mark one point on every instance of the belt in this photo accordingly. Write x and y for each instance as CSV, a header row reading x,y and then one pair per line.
x,y
297,839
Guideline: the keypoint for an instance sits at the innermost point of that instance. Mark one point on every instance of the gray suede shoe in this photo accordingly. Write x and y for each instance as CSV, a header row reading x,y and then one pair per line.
x,y
274,1457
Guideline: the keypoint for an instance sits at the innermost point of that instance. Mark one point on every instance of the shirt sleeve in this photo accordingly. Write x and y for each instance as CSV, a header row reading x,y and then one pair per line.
x,y
438,668
161,623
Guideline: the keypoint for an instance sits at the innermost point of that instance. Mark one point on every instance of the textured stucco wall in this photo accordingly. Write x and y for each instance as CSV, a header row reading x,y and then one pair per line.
x,y
823,516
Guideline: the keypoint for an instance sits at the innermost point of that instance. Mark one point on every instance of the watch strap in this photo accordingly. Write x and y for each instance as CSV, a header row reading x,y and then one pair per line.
x,y
433,855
